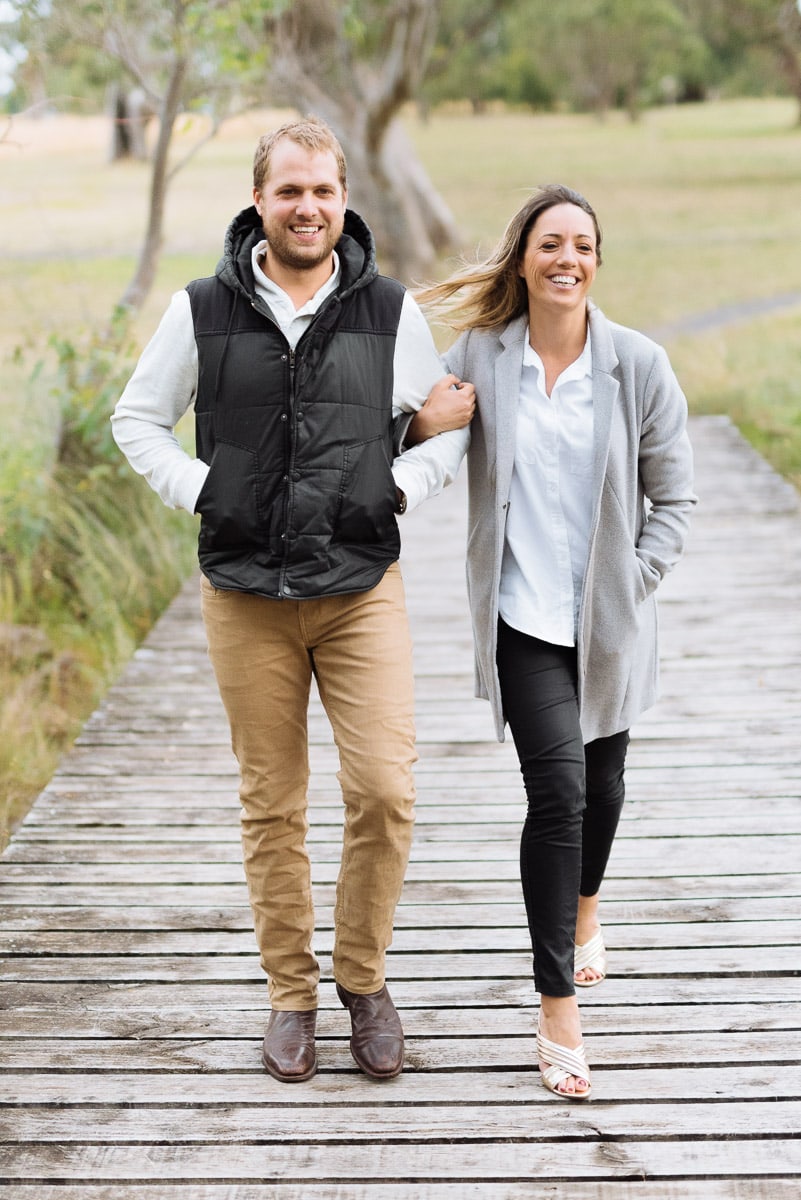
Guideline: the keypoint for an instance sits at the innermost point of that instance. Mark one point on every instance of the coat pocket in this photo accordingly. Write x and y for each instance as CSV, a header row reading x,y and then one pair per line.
x,y
229,501
367,494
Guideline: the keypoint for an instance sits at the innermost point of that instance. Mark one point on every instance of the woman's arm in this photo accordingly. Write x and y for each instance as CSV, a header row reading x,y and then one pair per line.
x,y
450,404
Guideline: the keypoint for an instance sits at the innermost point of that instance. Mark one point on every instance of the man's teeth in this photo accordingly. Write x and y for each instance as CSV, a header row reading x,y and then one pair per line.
x,y
305,228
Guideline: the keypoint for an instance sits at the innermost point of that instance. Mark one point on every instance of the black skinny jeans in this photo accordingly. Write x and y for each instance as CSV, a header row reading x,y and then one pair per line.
x,y
574,792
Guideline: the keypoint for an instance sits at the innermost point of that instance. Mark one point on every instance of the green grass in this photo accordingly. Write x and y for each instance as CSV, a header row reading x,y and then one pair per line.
x,y
700,206
697,210
753,374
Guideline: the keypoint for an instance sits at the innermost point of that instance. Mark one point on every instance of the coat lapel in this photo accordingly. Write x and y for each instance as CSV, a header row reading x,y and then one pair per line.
x,y
508,367
605,390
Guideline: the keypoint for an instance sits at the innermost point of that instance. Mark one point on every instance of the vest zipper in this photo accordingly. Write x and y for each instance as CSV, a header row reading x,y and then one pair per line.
x,y
283,590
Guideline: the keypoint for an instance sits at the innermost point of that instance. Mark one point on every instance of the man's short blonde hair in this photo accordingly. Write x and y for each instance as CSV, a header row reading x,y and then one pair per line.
x,y
310,132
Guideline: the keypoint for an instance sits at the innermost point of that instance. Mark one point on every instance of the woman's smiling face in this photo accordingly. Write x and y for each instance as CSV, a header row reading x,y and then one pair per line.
x,y
560,259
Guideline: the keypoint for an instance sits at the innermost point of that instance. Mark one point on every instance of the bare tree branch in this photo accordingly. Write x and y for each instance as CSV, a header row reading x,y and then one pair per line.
x,y
412,35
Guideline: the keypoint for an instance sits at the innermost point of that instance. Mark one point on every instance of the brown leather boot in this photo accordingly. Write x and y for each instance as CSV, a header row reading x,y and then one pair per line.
x,y
377,1041
288,1052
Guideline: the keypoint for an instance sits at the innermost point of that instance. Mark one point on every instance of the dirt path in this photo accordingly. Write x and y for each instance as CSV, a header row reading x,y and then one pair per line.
x,y
728,314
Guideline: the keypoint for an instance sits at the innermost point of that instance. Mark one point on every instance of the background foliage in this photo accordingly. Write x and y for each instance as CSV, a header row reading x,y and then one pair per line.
x,y
577,54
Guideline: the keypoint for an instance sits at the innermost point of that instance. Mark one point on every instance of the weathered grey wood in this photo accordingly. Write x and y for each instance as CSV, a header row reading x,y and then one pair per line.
x,y
587,1159
99,830
131,1000
771,1188
721,962
412,938
751,1188
102,824
716,891
466,1047
342,1085
401,1123
695,919
433,864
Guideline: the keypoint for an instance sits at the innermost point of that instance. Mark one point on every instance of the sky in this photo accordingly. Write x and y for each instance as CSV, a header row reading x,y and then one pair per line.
x,y
9,61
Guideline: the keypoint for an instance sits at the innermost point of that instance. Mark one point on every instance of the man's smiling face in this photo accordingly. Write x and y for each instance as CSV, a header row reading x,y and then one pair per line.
x,y
302,206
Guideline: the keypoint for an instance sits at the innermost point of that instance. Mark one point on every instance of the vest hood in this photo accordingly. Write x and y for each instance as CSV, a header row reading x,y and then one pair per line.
x,y
356,250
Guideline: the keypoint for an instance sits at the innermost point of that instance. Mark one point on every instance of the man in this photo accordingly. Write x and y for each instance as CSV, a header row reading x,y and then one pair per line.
x,y
298,356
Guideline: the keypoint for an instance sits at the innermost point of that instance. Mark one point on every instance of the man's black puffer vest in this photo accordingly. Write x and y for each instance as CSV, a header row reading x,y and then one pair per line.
x,y
300,499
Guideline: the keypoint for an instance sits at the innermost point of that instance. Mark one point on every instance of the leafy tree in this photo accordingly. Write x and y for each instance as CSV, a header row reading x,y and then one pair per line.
x,y
742,34
476,58
594,54
600,54
356,64
179,55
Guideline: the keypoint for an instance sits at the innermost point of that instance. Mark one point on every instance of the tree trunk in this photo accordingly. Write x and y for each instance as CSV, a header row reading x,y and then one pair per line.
x,y
316,72
130,112
137,290
789,48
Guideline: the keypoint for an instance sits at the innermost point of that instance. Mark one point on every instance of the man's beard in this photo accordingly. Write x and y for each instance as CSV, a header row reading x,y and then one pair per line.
x,y
286,251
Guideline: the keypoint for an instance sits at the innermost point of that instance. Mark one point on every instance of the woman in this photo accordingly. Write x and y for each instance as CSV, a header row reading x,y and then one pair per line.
x,y
580,486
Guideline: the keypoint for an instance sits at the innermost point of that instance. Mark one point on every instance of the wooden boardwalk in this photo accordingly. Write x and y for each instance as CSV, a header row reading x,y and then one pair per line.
x,y
132,1001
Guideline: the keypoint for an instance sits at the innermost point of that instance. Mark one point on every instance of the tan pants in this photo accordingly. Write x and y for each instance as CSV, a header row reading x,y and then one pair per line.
x,y
264,653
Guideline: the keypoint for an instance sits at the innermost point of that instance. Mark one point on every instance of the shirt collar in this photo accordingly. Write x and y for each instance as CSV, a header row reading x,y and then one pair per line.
x,y
274,292
578,369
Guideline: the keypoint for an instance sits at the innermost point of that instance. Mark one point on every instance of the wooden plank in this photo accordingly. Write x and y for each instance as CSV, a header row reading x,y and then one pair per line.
x,y
435,863
119,1014
749,987
462,1045
300,1164
67,842
720,962
339,1082
234,1124
714,891
750,1188
417,937
696,919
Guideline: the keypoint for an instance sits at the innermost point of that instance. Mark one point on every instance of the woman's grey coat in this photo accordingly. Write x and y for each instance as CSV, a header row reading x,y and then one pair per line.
x,y
641,451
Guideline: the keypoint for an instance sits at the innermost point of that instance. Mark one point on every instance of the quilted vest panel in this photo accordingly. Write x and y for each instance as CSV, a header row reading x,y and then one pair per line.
x,y
300,499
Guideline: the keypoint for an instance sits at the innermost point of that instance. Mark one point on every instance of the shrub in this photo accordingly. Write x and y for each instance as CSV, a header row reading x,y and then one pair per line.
x,y
91,558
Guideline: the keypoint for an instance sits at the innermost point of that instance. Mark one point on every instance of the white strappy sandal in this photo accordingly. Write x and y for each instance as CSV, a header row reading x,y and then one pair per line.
x,y
593,955
557,1063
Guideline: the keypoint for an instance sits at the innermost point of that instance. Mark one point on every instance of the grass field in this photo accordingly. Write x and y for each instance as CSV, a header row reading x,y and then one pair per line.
x,y
700,206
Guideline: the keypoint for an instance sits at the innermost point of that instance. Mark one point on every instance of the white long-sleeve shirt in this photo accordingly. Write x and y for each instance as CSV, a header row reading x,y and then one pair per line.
x,y
550,501
164,384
